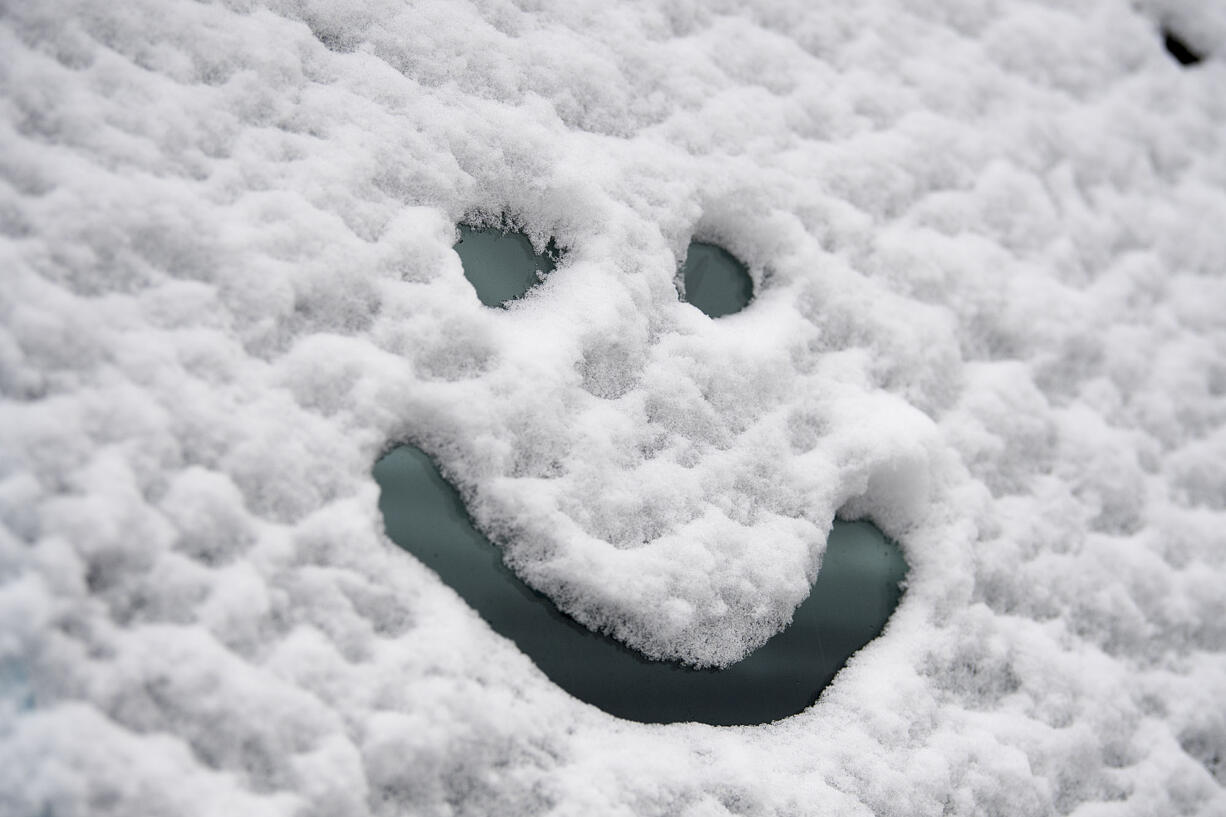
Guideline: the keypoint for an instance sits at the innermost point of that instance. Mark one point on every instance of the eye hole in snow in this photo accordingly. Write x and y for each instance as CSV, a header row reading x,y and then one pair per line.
x,y
855,593
501,264
1177,48
715,281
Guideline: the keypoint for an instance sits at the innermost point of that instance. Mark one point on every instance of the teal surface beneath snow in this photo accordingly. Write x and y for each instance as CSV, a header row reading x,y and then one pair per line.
x,y
715,282
855,593
501,266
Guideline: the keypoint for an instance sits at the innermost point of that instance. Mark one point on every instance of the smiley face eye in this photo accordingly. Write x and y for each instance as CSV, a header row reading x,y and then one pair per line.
x,y
715,281
501,264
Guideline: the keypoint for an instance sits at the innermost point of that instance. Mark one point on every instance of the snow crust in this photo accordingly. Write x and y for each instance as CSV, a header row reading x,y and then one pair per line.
x,y
987,243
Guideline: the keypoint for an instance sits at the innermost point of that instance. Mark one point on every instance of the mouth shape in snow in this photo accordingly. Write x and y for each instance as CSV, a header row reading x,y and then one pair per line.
x,y
855,593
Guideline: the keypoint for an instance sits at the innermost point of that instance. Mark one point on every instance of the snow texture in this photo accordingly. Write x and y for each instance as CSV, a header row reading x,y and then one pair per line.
x,y
988,246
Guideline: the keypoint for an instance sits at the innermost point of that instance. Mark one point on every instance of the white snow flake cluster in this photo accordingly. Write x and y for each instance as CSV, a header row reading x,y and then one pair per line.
x,y
988,241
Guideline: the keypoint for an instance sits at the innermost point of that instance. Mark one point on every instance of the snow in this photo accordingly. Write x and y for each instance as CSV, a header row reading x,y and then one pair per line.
x,y
987,251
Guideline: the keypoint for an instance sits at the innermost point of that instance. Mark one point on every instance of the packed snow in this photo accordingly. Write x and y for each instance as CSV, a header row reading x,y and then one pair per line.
x,y
987,241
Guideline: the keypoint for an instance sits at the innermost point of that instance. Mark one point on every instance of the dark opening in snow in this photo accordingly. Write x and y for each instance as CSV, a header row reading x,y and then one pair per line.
x,y
501,264
855,593
1177,48
715,281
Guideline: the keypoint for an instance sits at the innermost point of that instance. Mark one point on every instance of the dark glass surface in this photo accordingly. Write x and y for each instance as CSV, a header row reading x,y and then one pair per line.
x,y
715,282
501,266
854,594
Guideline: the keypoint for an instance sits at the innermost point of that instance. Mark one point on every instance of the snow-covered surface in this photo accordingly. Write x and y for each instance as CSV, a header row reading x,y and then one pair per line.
x,y
989,242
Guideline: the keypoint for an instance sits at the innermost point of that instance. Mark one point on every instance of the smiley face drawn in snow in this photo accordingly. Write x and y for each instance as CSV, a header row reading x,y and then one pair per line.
x,y
856,591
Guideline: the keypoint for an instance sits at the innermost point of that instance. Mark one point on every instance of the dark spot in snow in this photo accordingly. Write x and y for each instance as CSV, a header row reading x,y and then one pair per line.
x,y
1178,49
